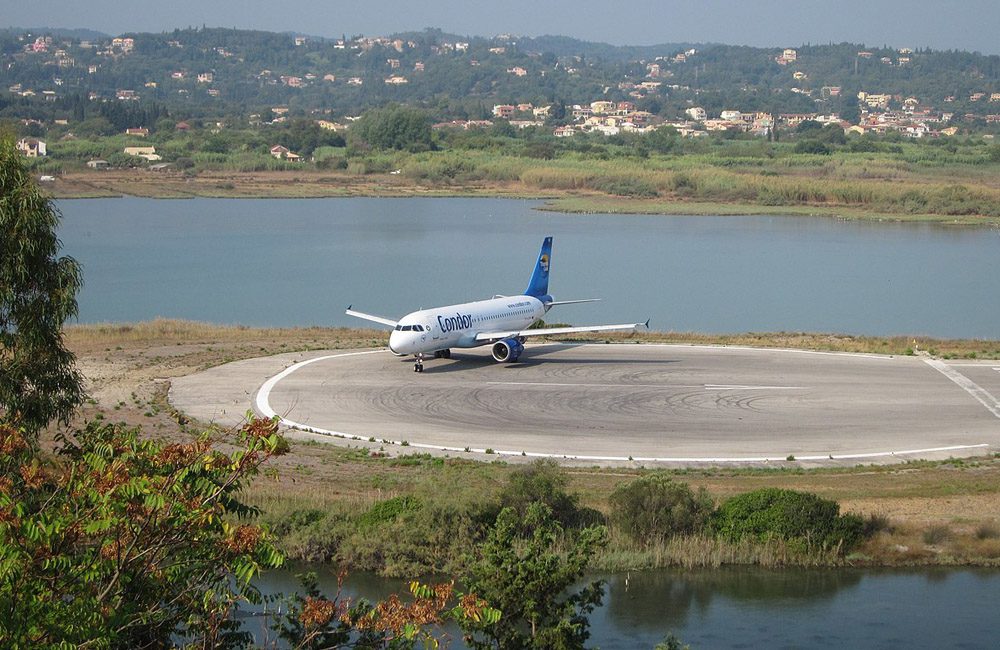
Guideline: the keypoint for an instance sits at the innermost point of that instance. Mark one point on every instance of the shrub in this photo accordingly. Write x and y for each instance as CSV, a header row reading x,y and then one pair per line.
x,y
800,517
937,534
389,510
655,507
987,531
540,150
877,523
812,146
542,481
631,187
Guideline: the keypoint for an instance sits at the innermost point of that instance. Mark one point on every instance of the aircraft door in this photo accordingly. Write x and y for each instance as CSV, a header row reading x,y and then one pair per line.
x,y
435,332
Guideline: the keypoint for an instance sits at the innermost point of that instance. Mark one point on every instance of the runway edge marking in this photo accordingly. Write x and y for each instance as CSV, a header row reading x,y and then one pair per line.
x,y
984,397
262,402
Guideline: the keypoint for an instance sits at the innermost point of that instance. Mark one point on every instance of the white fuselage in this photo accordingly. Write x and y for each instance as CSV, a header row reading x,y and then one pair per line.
x,y
456,326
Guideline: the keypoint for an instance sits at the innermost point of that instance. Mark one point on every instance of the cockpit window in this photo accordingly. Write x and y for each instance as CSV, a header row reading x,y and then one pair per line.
x,y
418,328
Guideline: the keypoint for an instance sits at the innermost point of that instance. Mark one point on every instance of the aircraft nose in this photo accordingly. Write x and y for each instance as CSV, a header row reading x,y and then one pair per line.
x,y
401,343
394,343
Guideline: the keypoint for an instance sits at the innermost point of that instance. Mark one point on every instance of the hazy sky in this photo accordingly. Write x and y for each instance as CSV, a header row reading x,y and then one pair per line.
x,y
941,24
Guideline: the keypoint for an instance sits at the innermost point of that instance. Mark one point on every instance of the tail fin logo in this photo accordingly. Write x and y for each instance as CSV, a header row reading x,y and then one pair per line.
x,y
543,261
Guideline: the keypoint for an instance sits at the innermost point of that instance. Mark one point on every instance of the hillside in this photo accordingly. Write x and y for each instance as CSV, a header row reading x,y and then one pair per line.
x,y
214,72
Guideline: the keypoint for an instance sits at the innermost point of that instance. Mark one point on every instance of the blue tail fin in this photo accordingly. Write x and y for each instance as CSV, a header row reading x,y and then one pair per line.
x,y
538,286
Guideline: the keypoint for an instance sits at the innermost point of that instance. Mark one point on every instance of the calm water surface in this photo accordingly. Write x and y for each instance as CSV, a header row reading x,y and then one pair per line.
x,y
301,262
757,608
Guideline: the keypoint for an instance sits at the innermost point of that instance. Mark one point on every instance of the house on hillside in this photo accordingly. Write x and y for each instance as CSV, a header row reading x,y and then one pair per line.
x,y
31,147
283,153
149,153
504,111
697,113
141,131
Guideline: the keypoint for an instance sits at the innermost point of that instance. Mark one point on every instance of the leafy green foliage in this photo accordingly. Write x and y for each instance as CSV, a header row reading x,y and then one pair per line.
x,y
800,517
812,146
38,382
654,507
126,542
392,127
389,510
541,481
525,568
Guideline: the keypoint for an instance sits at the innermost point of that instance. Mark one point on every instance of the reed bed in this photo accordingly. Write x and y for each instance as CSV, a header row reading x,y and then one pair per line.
x,y
703,551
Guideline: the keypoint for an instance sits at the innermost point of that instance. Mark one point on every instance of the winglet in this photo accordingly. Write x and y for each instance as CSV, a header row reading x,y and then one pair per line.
x,y
647,323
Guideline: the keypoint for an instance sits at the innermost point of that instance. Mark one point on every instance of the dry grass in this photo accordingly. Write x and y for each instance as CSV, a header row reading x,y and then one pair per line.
x,y
703,551
845,187
128,367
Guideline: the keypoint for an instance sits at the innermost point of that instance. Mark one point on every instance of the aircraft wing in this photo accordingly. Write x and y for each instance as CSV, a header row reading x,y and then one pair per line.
x,y
376,319
549,331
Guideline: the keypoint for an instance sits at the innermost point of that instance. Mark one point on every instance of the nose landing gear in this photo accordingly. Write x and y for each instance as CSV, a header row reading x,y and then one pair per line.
x,y
418,365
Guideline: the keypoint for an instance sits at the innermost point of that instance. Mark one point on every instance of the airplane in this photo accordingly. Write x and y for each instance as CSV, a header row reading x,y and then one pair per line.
x,y
503,322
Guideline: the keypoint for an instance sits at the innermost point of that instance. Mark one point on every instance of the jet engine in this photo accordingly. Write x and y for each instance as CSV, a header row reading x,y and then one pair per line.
x,y
507,350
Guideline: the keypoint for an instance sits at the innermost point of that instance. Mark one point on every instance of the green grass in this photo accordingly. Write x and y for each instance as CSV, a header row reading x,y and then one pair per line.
x,y
953,183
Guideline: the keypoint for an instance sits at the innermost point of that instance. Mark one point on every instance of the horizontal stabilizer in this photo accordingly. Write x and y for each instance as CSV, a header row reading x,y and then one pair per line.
x,y
553,303
376,319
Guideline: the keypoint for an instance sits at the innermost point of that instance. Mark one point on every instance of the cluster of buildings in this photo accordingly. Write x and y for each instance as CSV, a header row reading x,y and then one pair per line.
x,y
880,112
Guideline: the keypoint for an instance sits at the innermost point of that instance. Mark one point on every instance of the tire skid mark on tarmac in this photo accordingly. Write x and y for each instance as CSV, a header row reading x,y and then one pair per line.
x,y
438,404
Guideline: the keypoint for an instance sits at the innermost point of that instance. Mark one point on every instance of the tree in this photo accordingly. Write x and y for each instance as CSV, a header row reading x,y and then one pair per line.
x,y
127,542
38,382
392,127
654,507
524,572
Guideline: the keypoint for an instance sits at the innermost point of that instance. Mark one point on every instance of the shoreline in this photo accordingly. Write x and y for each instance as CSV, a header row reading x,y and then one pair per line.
x,y
309,184
129,368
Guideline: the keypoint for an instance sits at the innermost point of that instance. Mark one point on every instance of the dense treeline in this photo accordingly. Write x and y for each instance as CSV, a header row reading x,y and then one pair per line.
x,y
247,69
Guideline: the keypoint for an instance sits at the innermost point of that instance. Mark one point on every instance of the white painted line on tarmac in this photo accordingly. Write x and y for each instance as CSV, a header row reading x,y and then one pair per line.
x,y
991,403
738,387
984,364
263,405
263,400
702,386
582,385
744,348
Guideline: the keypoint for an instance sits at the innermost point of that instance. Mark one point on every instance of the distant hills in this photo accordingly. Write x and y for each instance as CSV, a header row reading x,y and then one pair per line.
x,y
217,71
80,34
